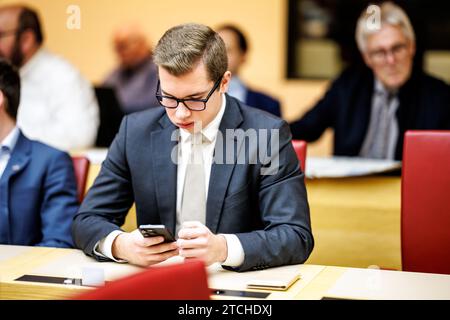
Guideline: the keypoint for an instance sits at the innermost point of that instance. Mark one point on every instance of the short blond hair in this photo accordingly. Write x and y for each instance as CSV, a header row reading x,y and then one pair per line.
x,y
182,47
391,14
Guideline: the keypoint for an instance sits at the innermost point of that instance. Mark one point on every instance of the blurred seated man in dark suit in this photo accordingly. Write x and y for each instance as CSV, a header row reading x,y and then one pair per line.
x,y
370,109
38,194
136,78
237,48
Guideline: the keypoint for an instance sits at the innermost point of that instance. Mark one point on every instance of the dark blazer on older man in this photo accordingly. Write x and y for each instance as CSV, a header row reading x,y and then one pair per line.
x,y
38,196
346,107
268,213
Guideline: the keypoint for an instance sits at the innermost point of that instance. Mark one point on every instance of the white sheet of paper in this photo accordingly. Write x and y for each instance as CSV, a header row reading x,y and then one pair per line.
x,y
342,167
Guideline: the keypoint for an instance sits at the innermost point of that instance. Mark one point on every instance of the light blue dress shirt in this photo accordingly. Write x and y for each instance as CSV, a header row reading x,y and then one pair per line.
x,y
6,148
237,89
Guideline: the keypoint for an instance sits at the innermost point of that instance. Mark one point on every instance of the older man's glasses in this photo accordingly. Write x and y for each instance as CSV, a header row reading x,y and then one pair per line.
x,y
397,51
191,104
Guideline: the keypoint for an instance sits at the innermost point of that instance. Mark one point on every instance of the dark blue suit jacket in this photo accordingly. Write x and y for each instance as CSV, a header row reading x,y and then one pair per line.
x,y
346,107
38,196
268,213
263,102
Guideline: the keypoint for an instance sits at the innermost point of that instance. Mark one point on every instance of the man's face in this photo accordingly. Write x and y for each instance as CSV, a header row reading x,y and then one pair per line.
x,y
129,50
235,55
390,54
9,42
193,85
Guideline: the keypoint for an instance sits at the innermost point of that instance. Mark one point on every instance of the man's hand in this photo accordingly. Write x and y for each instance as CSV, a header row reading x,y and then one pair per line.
x,y
144,252
196,241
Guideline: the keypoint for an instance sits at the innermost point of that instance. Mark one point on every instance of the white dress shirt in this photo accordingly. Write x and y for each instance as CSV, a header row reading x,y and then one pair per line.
x,y
7,147
235,251
57,106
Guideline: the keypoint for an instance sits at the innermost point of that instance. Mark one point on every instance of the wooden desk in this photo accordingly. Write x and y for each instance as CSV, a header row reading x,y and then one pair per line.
x,y
68,263
317,282
356,221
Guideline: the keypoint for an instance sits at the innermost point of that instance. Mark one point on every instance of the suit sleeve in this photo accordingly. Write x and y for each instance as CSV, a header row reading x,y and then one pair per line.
x,y
108,201
321,117
287,237
60,203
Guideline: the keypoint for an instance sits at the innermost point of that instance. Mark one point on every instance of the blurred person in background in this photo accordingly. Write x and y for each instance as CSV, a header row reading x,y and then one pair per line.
x,y
58,106
370,109
38,192
237,49
136,78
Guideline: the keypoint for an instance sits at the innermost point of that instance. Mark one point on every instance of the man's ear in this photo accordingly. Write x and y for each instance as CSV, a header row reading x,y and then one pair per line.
x,y
366,59
2,100
225,82
243,59
413,48
28,41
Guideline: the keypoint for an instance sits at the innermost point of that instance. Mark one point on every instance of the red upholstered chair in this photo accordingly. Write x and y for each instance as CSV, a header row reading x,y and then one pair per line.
x,y
81,167
187,281
425,220
300,150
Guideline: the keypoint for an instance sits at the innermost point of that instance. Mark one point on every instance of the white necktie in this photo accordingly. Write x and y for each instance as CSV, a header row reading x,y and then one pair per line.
x,y
193,204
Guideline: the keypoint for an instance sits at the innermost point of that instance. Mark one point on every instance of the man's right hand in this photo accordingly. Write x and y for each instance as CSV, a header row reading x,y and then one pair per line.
x,y
140,251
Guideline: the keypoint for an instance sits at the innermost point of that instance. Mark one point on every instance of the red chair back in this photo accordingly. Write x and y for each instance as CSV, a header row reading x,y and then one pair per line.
x,y
187,281
300,150
81,167
425,220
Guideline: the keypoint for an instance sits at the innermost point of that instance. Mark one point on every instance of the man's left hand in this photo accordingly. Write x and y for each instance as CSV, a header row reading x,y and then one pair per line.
x,y
195,240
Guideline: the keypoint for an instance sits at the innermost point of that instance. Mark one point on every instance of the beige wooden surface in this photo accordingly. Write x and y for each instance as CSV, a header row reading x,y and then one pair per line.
x,y
356,221
373,284
316,282
69,263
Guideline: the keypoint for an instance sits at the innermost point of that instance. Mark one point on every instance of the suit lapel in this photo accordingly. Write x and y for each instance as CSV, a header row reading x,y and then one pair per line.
x,y
362,113
165,171
18,161
220,171
19,158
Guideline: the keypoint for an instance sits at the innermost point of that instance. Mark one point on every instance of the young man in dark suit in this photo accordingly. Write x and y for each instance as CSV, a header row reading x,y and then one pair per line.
x,y
38,193
187,167
370,109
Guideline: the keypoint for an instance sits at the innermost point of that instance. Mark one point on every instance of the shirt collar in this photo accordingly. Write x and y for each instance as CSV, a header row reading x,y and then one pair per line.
x,y
11,139
237,88
236,82
210,132
381,89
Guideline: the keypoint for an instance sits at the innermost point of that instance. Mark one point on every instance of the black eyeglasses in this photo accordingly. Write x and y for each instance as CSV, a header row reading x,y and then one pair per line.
x,y
191,104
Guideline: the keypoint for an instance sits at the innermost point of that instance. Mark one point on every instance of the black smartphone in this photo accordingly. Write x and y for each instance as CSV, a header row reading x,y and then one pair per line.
x,y
155,230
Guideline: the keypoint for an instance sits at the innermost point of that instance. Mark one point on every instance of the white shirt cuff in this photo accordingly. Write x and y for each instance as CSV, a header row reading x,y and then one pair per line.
x,y
236,253
103,248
